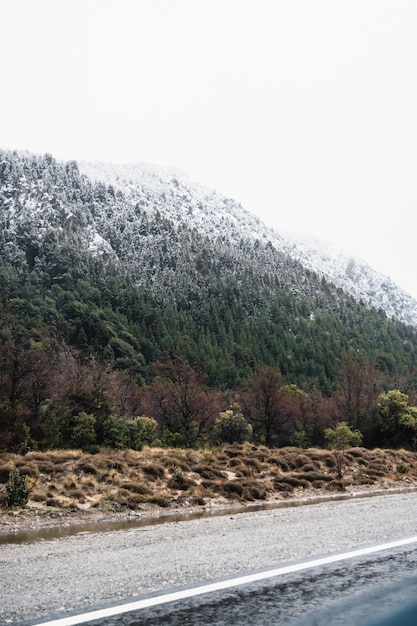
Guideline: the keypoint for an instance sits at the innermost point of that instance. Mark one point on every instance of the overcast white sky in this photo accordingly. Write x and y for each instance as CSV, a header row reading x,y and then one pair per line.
x,y
305,111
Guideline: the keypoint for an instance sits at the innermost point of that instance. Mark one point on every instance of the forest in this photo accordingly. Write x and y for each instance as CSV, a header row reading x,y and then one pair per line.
x,y
102,366
120,328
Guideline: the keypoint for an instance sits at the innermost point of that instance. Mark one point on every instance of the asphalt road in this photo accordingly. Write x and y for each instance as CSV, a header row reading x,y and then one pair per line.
x,y
58,577
354,590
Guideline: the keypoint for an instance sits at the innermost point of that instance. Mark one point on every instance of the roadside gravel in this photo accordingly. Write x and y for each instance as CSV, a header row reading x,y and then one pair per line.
x,y
82,571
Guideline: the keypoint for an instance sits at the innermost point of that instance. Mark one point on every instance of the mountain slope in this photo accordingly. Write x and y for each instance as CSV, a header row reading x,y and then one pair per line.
x,y
166,235
134,262
210,213
355,277
149,191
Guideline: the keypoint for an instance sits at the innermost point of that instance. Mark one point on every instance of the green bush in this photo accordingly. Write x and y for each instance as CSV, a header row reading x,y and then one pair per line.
x,y
231,427
133,434
83,431
17,492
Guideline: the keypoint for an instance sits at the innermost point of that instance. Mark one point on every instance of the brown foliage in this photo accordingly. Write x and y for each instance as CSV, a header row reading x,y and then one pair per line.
x,y
271,407
177,400
359,384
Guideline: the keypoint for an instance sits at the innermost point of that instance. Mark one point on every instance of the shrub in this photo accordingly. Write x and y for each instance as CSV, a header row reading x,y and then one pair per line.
x,y
379,466
375,473
208,472
46,466
252,462
339,440
308,467
233,451
209,484
27,469
154,470
208,457
83,432
335,485
55,502
318,484
282,486
117,464
185,483
89,484
312,476
77,494
329,461
302,439
177,477
182,485
242,470
133,434
366,480
125,498
256,490
21,438
176,462
5,473
70,481
294,481
160,499
234,488
137,488
86,466
294,459
17,492
358,453
232,427
113,477
279,462
198,500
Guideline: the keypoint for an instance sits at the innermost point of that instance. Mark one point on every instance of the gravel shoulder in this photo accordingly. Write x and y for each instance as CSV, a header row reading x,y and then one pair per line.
x,y
86,569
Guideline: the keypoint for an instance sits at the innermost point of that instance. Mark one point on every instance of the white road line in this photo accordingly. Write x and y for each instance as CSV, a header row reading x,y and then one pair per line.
x,y
223,584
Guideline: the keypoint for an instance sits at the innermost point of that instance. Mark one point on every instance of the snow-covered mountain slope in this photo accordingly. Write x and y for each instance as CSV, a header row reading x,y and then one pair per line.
x,y
356,277
164,230
183,200
213,215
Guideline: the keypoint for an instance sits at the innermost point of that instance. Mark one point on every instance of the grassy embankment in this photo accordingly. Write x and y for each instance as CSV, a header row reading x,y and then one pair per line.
x,y
115,481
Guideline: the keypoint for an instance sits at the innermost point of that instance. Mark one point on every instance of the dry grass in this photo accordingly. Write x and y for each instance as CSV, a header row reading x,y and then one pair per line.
x,y
128,480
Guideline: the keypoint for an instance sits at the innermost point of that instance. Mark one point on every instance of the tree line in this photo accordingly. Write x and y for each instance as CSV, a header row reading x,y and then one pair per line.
x,y
53,395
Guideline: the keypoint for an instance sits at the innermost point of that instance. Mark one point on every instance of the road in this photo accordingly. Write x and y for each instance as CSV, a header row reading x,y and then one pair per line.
x,y
75,574
351,587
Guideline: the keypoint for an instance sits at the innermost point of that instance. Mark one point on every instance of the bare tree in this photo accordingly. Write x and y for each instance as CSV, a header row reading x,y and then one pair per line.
x,y
178,401
270,406
358,385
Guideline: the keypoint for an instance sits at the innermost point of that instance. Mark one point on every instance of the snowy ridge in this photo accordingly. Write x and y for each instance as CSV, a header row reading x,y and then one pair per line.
x,y
356,277
185,201
140,218
216,216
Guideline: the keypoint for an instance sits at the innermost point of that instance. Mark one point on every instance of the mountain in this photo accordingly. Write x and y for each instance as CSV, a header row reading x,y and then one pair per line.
x,y
169,193
209,212
355,277
215,283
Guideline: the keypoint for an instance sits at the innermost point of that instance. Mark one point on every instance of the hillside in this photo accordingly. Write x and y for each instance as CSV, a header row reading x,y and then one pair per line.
x,y
355,277
210,213
138,195
115,295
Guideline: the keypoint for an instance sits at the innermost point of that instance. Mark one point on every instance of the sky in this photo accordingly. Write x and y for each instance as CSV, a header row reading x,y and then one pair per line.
x,y
304,111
